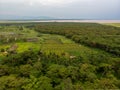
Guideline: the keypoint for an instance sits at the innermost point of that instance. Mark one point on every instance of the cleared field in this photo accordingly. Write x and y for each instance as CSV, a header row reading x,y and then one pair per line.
x,y
113,24
51,43
57,44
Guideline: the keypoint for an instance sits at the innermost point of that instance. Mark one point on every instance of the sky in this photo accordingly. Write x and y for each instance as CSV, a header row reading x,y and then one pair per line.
x,y
66,9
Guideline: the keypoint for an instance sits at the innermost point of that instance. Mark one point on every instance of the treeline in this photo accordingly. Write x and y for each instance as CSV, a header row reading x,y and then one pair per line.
x,y
91,34
35,70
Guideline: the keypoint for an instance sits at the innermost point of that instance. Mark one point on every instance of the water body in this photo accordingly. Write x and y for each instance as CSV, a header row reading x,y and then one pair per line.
x,y
61,20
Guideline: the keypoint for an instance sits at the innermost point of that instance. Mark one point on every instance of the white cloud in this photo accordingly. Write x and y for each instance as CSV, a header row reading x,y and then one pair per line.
x,y
41,2
52,2
62,8
44,2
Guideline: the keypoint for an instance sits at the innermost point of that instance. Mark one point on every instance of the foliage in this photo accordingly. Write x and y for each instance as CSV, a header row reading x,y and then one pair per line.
x,y
94,35
34,70
54,62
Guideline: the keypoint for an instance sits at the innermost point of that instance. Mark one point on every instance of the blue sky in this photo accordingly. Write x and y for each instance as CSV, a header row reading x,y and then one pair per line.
x,y
79,9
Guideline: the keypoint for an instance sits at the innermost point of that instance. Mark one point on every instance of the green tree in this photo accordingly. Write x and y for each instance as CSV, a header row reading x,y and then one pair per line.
x,y
41,83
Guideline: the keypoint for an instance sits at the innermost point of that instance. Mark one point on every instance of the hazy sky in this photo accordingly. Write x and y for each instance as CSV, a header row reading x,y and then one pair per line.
x,y
82,9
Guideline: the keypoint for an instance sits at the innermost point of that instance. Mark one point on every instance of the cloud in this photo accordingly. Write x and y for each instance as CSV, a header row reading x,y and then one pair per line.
x,y
43,2
50,2
62,8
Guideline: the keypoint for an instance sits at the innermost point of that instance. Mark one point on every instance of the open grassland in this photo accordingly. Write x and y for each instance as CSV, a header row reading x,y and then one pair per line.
x,y
53,43
26,38
48,43
113,24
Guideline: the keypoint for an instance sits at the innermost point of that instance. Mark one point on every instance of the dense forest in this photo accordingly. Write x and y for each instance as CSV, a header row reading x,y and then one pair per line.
x,y
59,56
91,34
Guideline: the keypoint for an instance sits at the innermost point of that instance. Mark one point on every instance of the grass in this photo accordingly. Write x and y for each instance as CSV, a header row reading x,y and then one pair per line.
x,y
54,43
113,24
50,43
24,46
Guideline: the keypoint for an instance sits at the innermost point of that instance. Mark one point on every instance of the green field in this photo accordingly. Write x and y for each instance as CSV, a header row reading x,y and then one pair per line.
x,y
113,24
59,56
48,43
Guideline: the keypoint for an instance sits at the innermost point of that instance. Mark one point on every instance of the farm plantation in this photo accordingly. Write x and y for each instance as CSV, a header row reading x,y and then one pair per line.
x,y
59,56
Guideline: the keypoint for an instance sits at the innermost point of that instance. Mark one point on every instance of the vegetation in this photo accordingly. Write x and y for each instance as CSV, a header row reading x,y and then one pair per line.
x,y
59,56
113,24
90,34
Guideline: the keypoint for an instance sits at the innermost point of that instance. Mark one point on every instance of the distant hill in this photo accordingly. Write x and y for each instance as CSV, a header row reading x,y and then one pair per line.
x,y
13,17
